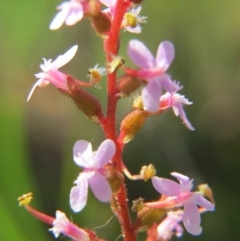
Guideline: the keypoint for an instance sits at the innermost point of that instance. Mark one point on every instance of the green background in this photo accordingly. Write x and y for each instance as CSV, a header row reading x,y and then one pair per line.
x,y
36,138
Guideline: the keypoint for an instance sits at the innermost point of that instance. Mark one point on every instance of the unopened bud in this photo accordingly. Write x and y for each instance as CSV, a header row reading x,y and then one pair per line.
x,y
101,23
148,216
85,101
131,124
127,85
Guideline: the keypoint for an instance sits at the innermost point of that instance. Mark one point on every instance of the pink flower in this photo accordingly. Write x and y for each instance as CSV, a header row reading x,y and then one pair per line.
x,y
153,70
170,226
62,225
93,173
181,195
51,74
70,12
176,101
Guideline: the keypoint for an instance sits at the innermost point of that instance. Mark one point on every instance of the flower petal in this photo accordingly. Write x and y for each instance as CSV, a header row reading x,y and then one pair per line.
x,y
150,96
60,17
165,55
140,54
78,194
82,153
178,110
100,187
181,178
75,15
203,202
104,153
38,83
165,186
192,219
61,60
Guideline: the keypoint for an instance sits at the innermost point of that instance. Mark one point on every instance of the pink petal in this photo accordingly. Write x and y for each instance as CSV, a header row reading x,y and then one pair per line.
x,y
192,219
178,110
168,84
74,16
104,153
140,54
78,195
165,186
60,17
165,55
61,60
181,178
82,153
150,96
203,202
100,187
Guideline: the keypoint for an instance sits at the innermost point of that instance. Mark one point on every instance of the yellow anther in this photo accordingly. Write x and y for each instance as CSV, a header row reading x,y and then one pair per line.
x,y
137,103
25,199
115,64
94,75
147,172
130,20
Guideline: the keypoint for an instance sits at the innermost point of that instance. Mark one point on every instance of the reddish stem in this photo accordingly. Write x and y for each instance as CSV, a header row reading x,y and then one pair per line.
x,y
111,46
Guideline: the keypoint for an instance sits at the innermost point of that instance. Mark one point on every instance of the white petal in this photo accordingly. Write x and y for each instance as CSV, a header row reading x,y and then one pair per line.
x,y
61,60
74,16
60,18
38,83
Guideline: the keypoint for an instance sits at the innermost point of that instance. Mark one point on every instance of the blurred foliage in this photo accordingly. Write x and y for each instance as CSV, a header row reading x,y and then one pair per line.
x,y
37,137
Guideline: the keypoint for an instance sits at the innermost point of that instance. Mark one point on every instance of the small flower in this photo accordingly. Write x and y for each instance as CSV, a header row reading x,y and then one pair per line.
x,y
96,74
176,101
62,225
132,19
70,12
153,70
93,173
170,226
51,74
181,195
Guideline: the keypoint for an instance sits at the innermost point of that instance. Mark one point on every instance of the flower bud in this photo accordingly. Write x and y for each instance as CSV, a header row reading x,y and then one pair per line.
x,y
131,124
101,23
127,85
85,101
147,216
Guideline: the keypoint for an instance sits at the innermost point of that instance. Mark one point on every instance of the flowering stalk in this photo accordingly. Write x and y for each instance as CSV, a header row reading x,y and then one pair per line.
x,y
102,170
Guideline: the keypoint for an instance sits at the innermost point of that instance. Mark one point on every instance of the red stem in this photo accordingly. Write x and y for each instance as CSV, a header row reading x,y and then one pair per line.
x,y
111,46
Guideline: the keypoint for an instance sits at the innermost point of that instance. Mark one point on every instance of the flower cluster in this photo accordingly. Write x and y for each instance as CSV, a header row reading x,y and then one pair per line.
x,y
103,170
